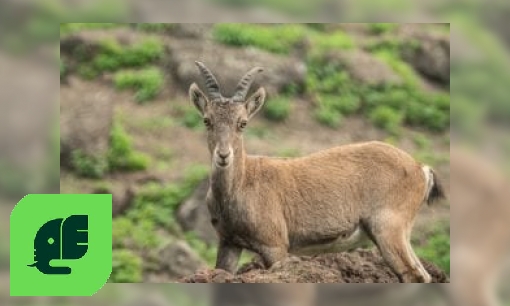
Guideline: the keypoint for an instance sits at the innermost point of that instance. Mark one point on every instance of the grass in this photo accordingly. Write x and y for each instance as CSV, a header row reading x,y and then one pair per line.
x,y
277,109
155,27
328,117
388,106
276,38
136,233
381,28
189,117
127,267
147,82
88,166
121,156
437,248
111,56
387,119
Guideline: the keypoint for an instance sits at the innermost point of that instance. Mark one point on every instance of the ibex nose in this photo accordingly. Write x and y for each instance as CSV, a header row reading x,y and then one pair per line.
x,y
224,155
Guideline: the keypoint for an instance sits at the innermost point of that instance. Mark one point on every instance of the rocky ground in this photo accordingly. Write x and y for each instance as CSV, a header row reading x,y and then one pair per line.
x,y
359,266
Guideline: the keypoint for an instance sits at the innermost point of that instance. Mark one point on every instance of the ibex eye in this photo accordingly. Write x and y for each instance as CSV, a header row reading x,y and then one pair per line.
x,y
207,121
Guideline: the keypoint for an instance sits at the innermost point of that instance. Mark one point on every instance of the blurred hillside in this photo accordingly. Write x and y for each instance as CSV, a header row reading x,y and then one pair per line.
x,y
128,128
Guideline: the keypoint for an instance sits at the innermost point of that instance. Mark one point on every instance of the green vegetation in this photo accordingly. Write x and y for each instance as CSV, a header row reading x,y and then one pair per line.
x,y
388,106
147,82
281,38
289,152
87,165
156,27
126,267
386,118
121,155
437,248
115,56
277,109
189,117
143,228
275,38
110,56
382,28
328,117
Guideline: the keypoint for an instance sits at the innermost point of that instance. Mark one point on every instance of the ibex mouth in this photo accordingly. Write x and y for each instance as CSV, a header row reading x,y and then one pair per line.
x,y
222,164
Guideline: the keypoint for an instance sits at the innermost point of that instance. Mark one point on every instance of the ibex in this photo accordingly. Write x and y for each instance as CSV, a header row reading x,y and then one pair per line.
x,y
317,203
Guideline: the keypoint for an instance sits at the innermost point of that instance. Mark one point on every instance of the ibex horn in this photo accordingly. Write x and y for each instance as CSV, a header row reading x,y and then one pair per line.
x,y
244,84
213,89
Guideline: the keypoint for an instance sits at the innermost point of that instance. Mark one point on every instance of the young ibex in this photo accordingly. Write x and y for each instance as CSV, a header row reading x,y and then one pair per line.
x,y
316,203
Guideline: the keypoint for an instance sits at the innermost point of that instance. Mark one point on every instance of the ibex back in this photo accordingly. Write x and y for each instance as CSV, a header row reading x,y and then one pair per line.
x,y
316,203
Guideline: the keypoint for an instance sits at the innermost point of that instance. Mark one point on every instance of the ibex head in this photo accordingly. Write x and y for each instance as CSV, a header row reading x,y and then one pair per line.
x,y
226,117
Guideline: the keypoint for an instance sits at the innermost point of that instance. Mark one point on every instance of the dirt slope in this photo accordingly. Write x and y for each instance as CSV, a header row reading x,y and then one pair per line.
x,y
359,266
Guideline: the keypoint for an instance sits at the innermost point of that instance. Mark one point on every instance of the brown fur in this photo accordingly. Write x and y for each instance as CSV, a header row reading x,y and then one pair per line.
x,y
277,206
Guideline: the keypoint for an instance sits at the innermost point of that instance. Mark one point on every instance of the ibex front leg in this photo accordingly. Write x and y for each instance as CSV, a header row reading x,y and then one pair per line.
x,y
228,256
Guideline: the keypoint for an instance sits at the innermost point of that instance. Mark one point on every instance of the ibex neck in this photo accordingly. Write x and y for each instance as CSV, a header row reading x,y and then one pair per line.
x,y
225,182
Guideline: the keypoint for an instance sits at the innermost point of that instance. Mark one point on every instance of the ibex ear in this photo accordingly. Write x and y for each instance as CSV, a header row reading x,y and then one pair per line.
x,y
255,102
198,98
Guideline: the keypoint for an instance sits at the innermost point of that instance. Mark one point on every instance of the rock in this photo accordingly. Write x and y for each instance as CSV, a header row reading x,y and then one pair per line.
x,y
366,68
178,259
86,115
430,55
359,266
280,71
122,198
363,67
193,214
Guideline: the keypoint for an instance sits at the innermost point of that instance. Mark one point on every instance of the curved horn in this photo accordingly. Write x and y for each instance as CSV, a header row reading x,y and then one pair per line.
x,y
244,84
213,89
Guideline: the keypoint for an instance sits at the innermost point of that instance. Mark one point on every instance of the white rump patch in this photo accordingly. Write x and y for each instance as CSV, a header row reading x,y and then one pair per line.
x,y
429,180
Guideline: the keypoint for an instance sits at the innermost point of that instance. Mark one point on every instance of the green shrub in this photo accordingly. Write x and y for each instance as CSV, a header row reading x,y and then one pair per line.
x,y
386,118
87,165
121,155
338,40
127,267
381,28
189,117
147,82
328,117
344,104
437,250
277,109
273,38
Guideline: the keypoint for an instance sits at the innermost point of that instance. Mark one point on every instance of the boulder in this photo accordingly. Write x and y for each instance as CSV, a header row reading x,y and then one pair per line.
x,y
364,67
193,214
177,260
430,55
86,116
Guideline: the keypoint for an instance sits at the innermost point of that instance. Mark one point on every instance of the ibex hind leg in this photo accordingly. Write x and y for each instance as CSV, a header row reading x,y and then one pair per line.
x,y
425,276
389,232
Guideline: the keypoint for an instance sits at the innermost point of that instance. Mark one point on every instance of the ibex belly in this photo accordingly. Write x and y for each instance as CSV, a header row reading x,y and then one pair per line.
x,y
344,242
